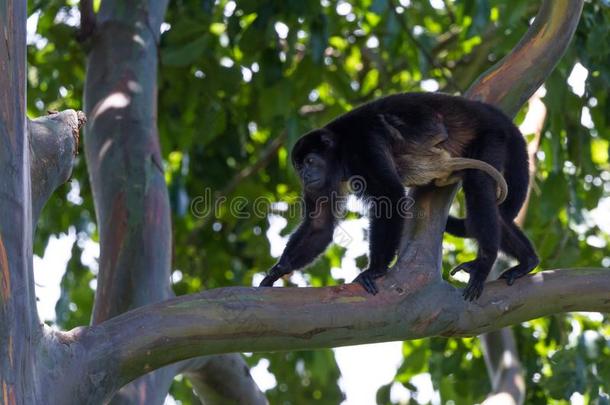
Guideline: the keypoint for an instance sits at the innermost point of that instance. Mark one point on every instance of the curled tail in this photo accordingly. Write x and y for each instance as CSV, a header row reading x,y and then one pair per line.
x,y
516,174
459,163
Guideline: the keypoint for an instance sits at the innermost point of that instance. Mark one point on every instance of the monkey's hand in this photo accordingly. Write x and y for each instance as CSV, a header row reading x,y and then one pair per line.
x,y
367,279
274,274
475,284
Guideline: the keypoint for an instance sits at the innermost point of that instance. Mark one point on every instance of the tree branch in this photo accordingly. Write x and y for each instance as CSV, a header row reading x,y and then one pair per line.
x,y
124,160
512,81
53,146
537,117
124,163
252,319
505,370
225,379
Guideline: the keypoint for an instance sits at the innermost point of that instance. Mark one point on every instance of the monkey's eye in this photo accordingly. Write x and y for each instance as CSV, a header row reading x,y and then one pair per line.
x,y
309,160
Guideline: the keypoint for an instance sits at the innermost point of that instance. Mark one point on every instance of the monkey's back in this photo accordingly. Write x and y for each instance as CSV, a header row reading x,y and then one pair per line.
x,y
425,114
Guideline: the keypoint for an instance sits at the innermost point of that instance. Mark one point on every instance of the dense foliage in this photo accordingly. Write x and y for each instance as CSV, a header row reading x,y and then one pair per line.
x,y
239,82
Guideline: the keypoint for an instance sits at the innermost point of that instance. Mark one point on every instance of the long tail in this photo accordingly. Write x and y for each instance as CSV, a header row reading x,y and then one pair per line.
x,y
516,174
456,164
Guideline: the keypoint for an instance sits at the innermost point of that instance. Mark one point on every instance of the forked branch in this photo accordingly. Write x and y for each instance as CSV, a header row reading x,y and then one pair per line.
x,y
53,147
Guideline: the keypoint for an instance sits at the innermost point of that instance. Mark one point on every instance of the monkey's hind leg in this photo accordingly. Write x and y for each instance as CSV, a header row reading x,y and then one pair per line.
x,y
515,243
367,280
482,223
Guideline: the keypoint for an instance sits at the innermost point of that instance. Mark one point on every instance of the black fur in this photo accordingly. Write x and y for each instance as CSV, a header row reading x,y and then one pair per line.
x,y
382,142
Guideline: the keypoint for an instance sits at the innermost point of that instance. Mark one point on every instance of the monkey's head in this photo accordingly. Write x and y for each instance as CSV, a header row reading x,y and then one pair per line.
x,y
314,157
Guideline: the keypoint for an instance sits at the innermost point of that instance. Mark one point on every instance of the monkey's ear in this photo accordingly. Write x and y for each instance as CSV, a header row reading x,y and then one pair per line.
x,y
328,139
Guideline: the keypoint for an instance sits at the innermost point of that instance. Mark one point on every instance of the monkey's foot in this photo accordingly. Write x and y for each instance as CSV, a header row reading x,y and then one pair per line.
x,y
474,289
520,270
268,281
273,275
367,280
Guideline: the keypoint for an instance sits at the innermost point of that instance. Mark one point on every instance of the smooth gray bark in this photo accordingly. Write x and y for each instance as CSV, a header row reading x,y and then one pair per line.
x,y
126,171
19,330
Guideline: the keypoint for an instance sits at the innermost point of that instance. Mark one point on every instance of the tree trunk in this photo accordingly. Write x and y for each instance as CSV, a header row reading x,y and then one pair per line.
x,y
20,331
127,178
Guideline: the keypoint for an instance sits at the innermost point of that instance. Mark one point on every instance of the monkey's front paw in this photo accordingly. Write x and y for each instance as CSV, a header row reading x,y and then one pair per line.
x,y
268,281
474,289
475,285
273,275
367,280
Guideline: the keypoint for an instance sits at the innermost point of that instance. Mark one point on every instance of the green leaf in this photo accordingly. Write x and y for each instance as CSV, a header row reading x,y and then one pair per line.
x,y
187,53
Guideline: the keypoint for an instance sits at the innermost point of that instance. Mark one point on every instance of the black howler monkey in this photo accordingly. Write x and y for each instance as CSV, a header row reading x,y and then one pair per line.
x,y
414,139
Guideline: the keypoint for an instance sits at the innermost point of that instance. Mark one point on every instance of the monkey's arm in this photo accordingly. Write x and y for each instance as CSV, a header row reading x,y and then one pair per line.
x,y
385,193
304,245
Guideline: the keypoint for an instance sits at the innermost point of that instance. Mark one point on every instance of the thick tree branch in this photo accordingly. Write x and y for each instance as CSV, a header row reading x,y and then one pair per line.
x,y
252,319
513,80
53,146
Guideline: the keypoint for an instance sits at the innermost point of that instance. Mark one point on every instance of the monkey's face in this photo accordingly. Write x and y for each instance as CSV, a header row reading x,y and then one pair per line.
x,y
313,157
313,171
